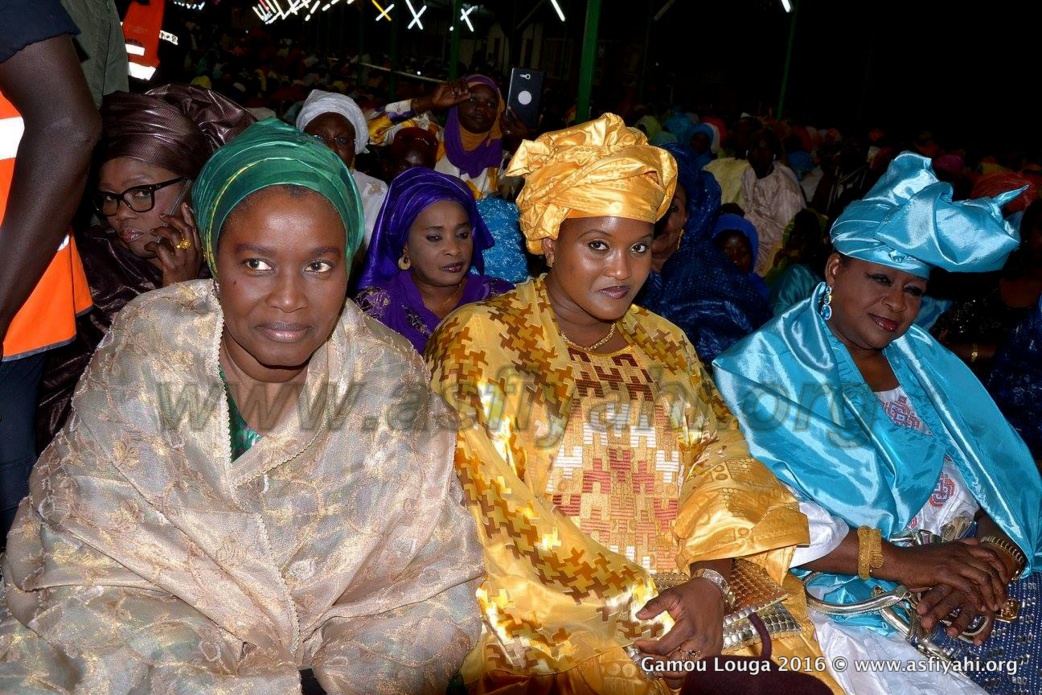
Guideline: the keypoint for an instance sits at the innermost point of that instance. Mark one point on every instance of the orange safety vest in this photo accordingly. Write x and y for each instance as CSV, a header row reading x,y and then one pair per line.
x,y
48,317
141,27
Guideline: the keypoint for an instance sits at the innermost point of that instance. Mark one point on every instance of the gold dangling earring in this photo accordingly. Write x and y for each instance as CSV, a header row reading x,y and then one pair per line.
x,y
404,263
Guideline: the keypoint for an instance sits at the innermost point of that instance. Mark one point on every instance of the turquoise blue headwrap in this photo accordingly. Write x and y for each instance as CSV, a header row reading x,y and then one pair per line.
x,y
272,153
681,126
909,221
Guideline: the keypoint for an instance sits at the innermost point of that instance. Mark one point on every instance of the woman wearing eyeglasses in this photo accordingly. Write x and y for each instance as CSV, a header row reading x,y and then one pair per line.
x,y
153,146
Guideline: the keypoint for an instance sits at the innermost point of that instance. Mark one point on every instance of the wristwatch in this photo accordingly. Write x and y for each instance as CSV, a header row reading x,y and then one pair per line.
x,y
722,584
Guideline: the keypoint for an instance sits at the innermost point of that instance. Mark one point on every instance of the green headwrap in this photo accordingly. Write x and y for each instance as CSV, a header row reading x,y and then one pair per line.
x,y
271,153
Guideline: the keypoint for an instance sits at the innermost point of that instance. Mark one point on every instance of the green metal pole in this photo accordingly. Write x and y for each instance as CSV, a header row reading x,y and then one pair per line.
x,y
788,58
589,58
392,83
457,7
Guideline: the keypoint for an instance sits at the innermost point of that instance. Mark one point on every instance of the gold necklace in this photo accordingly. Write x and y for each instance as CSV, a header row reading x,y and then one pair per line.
x,y
591,348
454,295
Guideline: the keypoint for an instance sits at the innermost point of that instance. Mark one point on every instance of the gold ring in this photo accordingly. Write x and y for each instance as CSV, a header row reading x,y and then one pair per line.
x,y
184,244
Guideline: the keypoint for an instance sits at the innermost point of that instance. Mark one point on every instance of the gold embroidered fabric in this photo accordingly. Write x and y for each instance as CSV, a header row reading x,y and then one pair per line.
x,y
145,561
559,607
617,472
600,167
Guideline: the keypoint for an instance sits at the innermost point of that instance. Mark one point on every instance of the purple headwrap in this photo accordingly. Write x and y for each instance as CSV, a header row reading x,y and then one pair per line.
x,y
409,194
488,152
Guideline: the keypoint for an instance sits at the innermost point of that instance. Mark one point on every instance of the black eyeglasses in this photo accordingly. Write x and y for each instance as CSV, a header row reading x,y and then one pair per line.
x,y
341,140
137,198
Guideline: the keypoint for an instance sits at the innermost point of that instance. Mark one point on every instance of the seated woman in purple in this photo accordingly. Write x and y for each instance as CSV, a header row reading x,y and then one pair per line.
x,y
427,238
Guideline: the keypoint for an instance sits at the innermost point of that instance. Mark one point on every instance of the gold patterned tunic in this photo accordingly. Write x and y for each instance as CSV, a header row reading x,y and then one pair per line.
x,y
559,601
617,471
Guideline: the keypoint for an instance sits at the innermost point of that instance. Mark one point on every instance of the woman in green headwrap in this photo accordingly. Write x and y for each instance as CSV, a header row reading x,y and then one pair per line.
x,y
241,494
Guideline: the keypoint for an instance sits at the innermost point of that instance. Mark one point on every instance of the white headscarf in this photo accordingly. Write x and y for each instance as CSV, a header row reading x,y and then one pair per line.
x,y
319,102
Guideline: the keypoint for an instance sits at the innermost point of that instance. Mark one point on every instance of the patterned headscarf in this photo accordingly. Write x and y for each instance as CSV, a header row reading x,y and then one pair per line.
x,y
319,102
271,153
174,127
597,168
410,193
474,152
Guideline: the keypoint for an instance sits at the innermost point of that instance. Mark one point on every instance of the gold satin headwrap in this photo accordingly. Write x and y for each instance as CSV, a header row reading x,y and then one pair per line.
x,y
598,168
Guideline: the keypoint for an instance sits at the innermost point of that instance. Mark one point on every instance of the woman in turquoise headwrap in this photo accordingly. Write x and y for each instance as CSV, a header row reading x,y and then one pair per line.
x,y
240,495
703,141
886,437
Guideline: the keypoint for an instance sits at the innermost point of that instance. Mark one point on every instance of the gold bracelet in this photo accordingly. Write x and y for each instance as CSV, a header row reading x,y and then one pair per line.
x,y
974,352
1009,549
869,551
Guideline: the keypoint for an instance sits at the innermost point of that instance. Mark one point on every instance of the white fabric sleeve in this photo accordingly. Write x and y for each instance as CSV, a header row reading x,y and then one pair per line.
x,y
826,532
399,108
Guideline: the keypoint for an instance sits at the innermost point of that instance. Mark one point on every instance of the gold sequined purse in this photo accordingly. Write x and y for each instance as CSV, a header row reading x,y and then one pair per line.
x,y
754,592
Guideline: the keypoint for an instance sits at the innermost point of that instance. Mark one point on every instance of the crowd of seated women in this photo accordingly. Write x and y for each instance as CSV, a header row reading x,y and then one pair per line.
x,y
306,439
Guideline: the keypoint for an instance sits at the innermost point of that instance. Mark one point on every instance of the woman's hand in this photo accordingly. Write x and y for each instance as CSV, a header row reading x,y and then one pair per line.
x,y
965,566
697,607
513,129
444,96
942,600
178,247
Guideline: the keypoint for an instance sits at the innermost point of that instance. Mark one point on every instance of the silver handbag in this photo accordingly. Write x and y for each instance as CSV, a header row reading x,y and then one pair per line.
x,y
897,606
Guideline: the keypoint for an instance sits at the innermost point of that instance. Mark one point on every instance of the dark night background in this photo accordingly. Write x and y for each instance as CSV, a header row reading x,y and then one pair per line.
x,y
962,71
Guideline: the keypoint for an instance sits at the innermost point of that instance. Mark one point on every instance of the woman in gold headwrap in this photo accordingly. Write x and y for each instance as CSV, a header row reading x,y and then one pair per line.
x,y
594,452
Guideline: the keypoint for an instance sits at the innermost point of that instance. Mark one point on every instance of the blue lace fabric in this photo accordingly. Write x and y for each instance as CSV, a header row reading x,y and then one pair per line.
x,y
506,259
700,289
1015,381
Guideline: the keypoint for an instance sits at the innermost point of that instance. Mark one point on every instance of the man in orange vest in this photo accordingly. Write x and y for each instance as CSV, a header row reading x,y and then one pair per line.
x,y
48,128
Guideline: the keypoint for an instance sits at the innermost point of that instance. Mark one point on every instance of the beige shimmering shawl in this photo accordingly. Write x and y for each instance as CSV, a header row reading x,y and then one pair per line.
x,y
145,560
